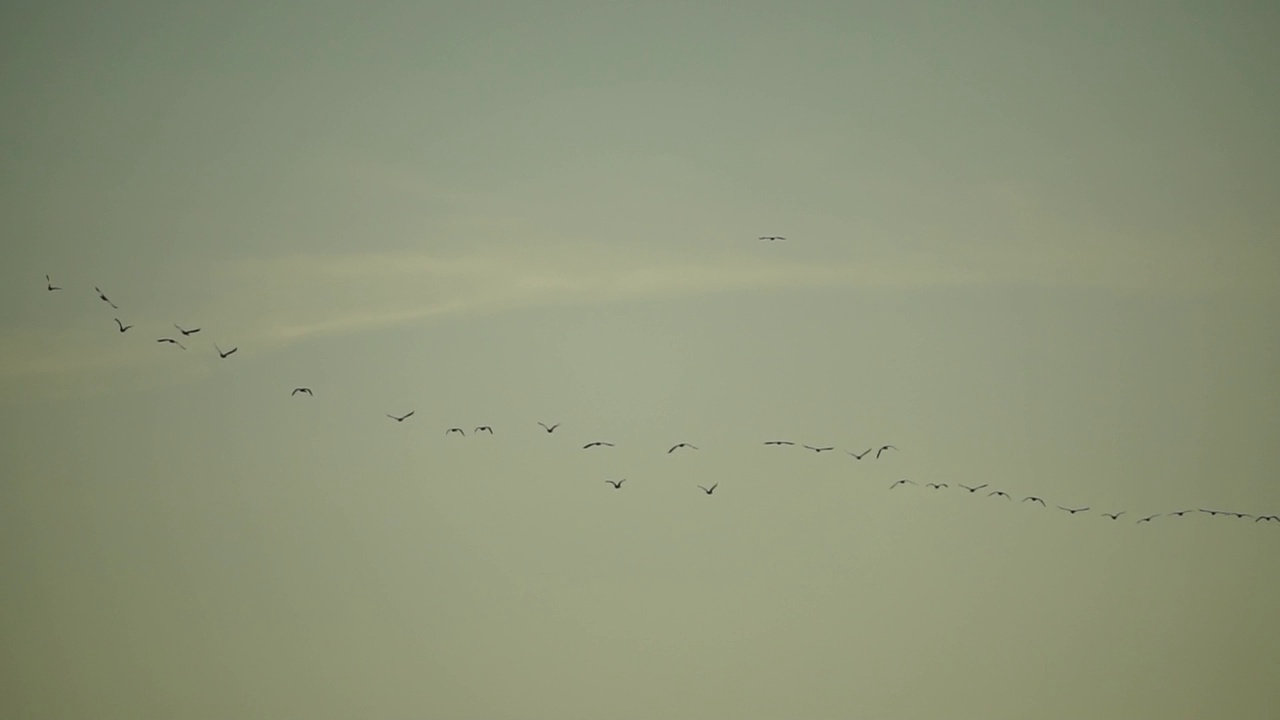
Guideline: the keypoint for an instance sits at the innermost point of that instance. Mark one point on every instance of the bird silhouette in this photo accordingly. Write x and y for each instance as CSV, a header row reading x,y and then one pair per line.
x,y
455,430
306,390
710,489
1033,498
483,428
1239,515
1148,518
402,417
936,486
172,341
973,489
771,238
597,443
1212,512
193,331
818,449
677,446
121,325
550,429
1000,493
51,286
105,300
1180,513
227,354
856,456
883,448
1113,516
901,482
1271,518
1073,511
778,442
617,484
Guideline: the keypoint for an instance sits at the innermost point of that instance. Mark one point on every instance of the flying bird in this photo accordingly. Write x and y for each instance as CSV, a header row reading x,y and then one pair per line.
x,y
224,355
771,238
883,448
973,489
51,286
121,325
402,417
1180,513
483,428
1113,516
193,331
710,489
1273,518
677,446
1240,515
455,430
1148,518
1033,498
779,442
172,341
936,486
617,484
105,300
1212,512
856,456
818,449
597,443
306,390
999,493
1073,511
901,482
550,429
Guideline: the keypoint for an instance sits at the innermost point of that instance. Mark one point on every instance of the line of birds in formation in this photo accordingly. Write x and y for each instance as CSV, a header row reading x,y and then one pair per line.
x,y
617,484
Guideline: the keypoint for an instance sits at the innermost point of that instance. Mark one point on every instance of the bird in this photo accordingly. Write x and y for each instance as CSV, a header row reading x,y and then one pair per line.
x,y
771,238
617,484
105,300
455,430
1211,512
306,390
122,326
936,486
224,355
172,341
1272,518
1113,516
1180,513
1033,498
677,446
710,489
483,428
1073,511
193,331
973,489
818,449
856,456
1148,518
1240,515
402,417
778,442
597,443
51,286
549,429
883,448
1001,493
901,482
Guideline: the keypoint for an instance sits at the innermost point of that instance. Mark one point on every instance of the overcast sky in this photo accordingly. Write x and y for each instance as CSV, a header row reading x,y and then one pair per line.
x,y
1031,245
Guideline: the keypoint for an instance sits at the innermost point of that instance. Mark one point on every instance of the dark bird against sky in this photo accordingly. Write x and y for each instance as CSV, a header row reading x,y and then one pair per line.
x,y
402,418
50,285
549,429
227,354
306,390
818,449
617,484
677,446
121,325
192,331
105,300
483,428
883,448
172,342
597,443
973,489
1073,511
710,489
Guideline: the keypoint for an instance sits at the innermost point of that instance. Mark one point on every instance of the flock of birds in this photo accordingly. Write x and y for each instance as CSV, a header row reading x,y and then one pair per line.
x,y
617,484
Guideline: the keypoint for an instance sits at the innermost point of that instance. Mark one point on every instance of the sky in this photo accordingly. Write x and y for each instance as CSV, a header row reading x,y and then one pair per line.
x,y
1030,245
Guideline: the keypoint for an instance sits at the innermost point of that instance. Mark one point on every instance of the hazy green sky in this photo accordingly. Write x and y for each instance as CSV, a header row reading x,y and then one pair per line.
x,y
1030,244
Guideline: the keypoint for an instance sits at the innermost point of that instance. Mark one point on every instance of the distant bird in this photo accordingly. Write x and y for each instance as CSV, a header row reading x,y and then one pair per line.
x,y
105,300
617,484
227,354
597,443
1033,498
1113,516
779,442
122,326
1148,518
883,448
710,489
677,446
936,486
1180,513
52,287
187,332
1240,515
818,449
1272,518
172,341
483,428
550,429
999,493
306,390
1073,511
1211,512
901,482
771,238
402,417
856,456
973,489
455,430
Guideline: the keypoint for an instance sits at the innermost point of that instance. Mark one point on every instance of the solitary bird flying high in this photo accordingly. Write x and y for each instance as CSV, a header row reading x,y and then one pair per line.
x,y
677,446
402,417
710,489
617,484
771,238
227,354
121,325
306,390
550,429
597,443
105,300
51,286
